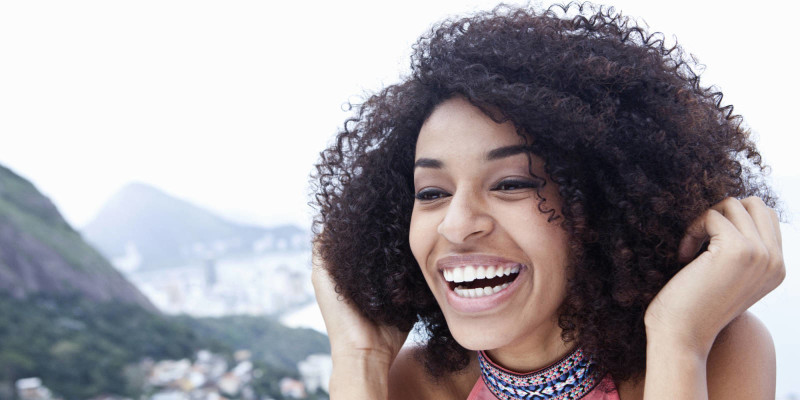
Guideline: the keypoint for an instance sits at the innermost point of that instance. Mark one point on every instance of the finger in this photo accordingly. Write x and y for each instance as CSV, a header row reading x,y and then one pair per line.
x,y
693,239
777,224
762,218
709,225
780,266
735,211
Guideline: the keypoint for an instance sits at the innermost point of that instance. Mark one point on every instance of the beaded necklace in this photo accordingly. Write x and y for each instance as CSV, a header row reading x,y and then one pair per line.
x,y
570,378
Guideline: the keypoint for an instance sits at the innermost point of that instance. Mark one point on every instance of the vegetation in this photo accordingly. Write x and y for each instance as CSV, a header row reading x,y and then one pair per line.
x,y
82,349
56,327
269,341
40,252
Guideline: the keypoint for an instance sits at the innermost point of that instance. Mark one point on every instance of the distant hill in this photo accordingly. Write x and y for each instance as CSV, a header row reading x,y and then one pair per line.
x,y
81,348
269,341
41,253
143,227
70,318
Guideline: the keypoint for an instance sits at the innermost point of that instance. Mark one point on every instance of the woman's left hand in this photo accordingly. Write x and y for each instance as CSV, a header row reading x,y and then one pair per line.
x,y
743,262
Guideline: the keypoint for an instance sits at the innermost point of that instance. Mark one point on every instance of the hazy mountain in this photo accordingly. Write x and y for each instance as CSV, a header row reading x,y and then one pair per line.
x,y
70,318
141,226
41,253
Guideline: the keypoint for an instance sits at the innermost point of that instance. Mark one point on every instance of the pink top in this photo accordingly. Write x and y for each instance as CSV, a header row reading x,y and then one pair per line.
x,y
605,390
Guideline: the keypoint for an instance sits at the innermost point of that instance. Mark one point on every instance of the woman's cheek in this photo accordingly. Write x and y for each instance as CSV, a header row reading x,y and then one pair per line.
x,y
416,235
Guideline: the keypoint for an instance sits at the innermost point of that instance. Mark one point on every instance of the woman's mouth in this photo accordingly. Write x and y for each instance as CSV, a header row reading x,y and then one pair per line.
x,y
473,281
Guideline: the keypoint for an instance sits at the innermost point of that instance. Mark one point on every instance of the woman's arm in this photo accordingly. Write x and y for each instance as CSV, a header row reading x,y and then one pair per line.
x,y
362,351
740,364
743,263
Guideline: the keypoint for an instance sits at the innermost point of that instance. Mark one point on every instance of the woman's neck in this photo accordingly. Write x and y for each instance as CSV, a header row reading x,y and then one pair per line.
x,y
532,354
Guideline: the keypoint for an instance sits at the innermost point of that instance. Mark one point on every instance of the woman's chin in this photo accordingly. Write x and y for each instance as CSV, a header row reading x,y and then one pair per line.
x,y
480,336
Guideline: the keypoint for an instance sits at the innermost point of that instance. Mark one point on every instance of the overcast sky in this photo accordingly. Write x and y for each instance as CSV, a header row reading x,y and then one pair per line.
x,y
228,103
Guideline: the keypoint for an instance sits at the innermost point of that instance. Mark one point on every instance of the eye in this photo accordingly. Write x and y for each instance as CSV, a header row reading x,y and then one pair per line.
x,y
509,185
430,194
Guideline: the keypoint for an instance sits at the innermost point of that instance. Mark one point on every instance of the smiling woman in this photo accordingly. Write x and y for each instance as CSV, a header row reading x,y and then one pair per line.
x,y
476,212
554,197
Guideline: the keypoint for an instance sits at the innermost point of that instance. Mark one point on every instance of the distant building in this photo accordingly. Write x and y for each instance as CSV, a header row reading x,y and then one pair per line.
x,y
211,273
170,395
242,355
229,384
167,371
316,371
32,389
292,388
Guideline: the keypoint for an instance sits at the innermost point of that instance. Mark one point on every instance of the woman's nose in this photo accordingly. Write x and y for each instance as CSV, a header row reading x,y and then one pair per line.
x,y
466,219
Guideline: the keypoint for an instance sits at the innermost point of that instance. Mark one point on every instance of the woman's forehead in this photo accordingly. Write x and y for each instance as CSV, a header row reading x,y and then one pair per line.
x,y
457,126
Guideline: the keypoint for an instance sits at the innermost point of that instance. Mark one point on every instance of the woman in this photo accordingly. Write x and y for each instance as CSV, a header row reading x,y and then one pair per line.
x,y
546,189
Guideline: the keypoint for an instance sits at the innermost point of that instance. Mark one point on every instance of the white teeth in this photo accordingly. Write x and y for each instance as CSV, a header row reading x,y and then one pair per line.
x,y
479,292
458,275
469,273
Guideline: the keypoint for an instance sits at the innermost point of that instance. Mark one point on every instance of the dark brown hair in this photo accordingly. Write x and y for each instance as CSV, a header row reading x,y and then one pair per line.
x,y
637,147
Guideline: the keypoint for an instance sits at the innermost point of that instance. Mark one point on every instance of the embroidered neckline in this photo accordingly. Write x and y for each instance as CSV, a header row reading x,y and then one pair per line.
x,y
572,377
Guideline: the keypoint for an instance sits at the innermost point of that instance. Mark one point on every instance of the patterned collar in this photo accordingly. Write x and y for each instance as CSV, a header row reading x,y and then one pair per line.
x,y
572,377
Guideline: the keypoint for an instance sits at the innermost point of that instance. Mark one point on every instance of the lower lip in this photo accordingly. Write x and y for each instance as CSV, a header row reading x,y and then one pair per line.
x,y
485,303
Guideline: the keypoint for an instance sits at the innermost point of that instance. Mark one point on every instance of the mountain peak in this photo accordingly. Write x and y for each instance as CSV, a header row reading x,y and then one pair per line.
x,y
167,231
41,253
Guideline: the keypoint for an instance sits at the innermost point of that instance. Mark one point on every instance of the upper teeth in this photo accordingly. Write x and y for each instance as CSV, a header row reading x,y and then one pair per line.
x,y
469,273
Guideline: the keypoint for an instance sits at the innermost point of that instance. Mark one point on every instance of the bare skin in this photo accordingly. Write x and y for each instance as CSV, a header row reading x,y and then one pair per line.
x,y
731,370
701,342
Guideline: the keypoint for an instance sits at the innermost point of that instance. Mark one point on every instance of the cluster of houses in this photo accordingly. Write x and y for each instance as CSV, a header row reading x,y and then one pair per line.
x,y
260,285
208,377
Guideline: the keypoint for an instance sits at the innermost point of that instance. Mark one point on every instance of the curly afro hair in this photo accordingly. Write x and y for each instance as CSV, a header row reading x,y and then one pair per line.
x,y
637,147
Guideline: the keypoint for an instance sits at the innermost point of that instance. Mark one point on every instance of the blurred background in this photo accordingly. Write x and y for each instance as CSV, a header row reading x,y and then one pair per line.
x,y
154,163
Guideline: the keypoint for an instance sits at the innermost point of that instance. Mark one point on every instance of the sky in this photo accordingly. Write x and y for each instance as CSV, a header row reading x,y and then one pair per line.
x,y
227,104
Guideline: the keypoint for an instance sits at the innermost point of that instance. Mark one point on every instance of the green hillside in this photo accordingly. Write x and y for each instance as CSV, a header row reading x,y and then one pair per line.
x,y
68,317
268,340
41,253
81,348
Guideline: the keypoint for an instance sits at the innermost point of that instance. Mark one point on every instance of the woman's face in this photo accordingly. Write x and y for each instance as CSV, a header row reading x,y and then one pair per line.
x,y
496,266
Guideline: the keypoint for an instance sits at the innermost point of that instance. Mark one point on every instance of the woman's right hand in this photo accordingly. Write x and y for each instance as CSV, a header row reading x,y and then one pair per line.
x,y
362,350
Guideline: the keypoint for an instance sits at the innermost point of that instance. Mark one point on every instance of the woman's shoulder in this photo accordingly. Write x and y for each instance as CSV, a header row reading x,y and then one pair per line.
x,y
408,378
740,365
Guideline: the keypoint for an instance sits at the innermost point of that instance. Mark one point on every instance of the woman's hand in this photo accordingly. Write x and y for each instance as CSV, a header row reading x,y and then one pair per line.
x,y
743,262
362,350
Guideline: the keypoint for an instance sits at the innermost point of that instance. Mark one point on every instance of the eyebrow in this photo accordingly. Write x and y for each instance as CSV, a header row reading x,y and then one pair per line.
x,y
428,163
507,151
496,154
